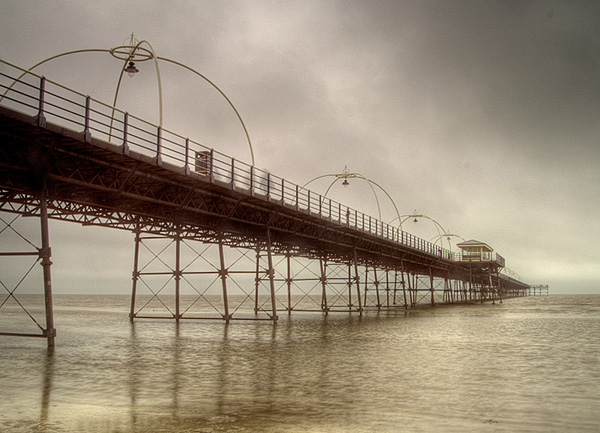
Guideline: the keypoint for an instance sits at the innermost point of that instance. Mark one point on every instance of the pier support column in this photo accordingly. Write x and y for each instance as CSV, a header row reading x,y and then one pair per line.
x,y
357,279
323,266
288,281
492,287
223,274
410,290
377,287
431,287
271,272
135,274
177,273
500,289
46,254
387,288
403,282
256,280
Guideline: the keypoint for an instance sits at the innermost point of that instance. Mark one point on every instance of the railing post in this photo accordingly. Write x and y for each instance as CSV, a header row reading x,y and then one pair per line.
x,y
233,173
159,146
187,156
87,135
125,134
212,165
320,206
41,117
268,186
252,180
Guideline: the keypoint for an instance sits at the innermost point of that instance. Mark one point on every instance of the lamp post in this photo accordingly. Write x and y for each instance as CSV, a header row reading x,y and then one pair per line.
x,y
441,237
344,176
416,215
140,51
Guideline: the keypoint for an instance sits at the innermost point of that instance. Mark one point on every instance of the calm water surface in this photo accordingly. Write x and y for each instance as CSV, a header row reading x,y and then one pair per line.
x,y
527,365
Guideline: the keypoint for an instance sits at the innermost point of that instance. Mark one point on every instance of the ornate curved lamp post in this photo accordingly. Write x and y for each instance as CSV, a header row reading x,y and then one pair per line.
x,y
441,230
345,175
136,52
440,238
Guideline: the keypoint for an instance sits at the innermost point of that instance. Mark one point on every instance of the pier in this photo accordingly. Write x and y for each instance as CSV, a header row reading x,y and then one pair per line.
x,y
262,245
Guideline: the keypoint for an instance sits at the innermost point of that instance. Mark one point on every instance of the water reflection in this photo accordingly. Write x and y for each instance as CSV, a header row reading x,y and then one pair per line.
x,y
414,369
47,384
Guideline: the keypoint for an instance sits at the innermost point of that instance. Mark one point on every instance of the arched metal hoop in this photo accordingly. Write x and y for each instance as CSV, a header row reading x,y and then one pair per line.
x,y
135,52
440,238
346,174
402,219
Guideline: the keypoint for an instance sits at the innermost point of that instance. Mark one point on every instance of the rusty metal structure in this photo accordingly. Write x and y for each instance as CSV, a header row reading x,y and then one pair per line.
x,y
215,238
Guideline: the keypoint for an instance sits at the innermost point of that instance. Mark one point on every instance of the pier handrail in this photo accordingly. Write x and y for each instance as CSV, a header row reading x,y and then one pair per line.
x,y
34,95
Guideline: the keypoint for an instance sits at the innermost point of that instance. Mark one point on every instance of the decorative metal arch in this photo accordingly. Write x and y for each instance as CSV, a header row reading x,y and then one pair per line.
x,y
441,236
136,52
440,229
346,174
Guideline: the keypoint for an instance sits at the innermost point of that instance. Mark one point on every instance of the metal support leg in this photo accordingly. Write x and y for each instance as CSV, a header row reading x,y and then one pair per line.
x,y
288,281
257,280
499,285
356,276
470,285
323,265
431,285
271,277
177,275
366,286
403,282
45,254
135,274
410,290
377,287
223,273
387,288
350,284
492,288
395,286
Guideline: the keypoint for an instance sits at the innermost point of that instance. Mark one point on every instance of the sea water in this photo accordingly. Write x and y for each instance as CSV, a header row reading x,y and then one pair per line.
x,y
523,365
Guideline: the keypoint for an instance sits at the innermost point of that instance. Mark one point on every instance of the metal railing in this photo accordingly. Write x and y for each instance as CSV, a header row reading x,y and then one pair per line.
x,y
49,101
480,257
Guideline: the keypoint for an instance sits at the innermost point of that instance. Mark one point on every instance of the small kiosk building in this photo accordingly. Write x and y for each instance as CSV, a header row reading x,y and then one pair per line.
x,y
475,251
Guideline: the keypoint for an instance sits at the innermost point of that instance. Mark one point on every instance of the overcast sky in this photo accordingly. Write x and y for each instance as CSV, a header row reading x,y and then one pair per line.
x,y
483,115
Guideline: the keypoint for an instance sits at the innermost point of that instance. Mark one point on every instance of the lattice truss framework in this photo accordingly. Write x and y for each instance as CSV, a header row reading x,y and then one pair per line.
x,y
22,309
189,279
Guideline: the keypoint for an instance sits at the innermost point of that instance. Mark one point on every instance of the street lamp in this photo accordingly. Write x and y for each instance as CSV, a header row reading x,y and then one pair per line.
x,y
441,236
139,51
131,69
415,215
345,175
